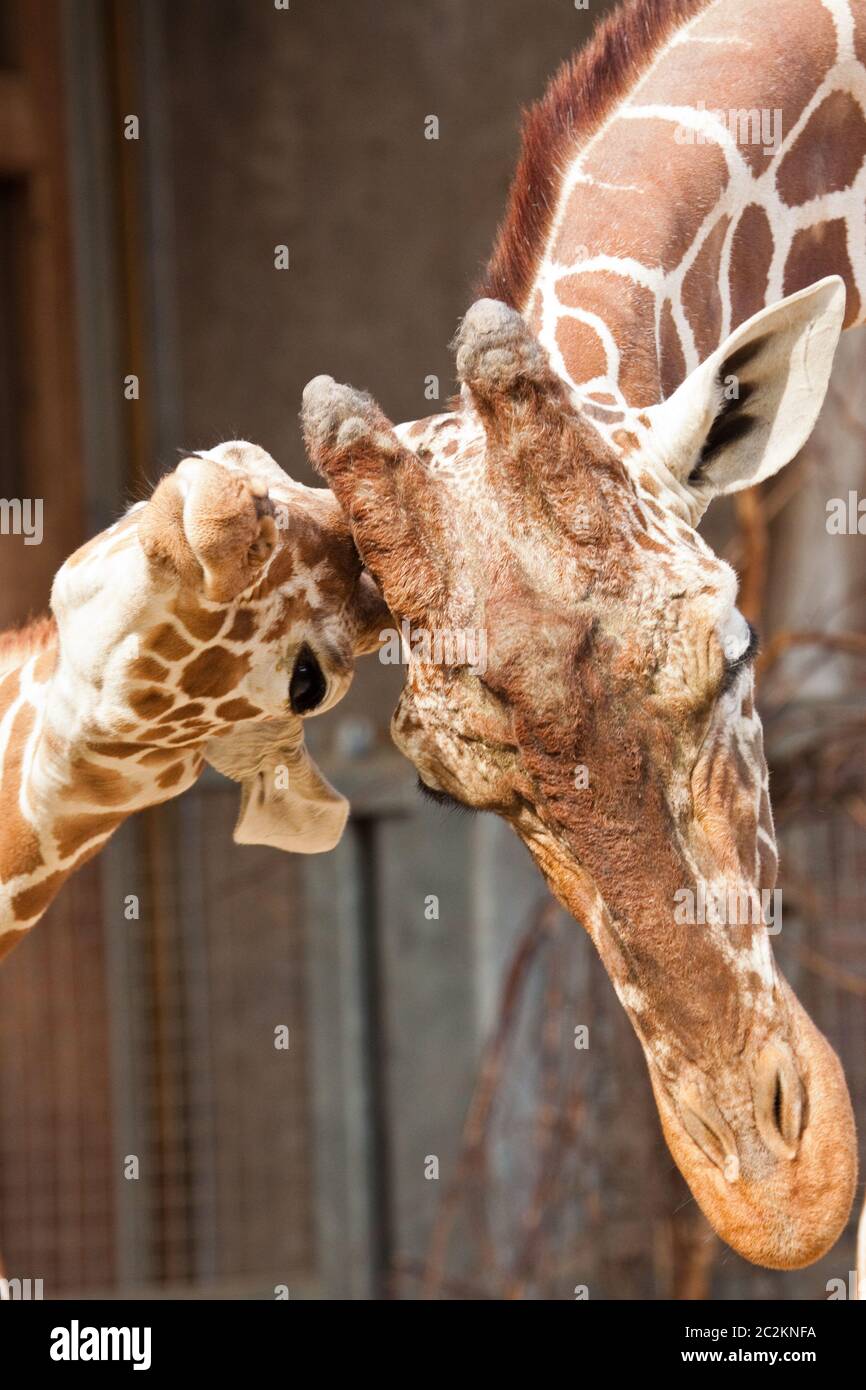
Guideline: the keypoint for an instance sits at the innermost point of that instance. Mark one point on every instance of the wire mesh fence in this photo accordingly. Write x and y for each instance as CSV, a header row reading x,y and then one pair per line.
x,y
154,1110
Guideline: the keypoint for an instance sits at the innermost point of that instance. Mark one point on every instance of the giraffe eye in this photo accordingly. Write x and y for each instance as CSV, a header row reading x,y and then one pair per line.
x,y
308,686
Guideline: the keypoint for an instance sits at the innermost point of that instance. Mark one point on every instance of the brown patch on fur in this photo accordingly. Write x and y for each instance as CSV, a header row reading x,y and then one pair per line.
x,y
167,642
20,851
292,610
114,750
214,672
702,300
745,833
190,711
647,543
582,349
171,776
607,417
237,709
71,832
819,162
92,782
10,938
243,626
819,251
859,34
577,102
649,484
626,441
146,668
156,756
723,75
149,703
629,204
673,363
203,625
32,902
751,257
744,819
625,305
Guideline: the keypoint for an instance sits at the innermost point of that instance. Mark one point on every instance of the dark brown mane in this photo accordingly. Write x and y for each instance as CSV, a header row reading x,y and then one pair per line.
x,y
577,101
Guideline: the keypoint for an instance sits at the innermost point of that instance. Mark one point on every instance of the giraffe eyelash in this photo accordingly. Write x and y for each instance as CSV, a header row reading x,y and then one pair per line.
x,y
746,657
440,798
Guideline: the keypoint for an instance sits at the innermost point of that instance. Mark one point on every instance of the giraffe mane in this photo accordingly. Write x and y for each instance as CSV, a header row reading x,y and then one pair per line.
x,y
578,99
19,643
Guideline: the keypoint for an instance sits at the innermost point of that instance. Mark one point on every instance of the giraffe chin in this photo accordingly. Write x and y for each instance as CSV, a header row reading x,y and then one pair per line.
x,y
779,1211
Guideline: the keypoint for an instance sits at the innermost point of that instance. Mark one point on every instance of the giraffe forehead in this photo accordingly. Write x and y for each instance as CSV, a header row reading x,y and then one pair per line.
x,y
618,536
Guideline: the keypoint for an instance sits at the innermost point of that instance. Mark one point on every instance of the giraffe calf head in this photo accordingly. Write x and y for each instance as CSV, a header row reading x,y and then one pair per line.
x,y
238,605
611,720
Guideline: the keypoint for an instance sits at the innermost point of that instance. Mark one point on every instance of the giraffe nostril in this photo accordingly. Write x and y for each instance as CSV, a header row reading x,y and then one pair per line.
x,y
778,1098
705,1123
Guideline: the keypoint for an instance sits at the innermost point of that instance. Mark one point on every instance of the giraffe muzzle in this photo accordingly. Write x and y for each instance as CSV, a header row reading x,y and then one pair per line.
x,y
767,1142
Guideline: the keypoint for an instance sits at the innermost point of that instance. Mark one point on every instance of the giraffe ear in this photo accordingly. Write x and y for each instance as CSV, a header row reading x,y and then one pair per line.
x,y
746,411
285,801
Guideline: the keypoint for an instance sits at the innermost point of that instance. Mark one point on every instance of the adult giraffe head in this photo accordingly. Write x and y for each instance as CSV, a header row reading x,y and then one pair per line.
x,y
688,191
612,721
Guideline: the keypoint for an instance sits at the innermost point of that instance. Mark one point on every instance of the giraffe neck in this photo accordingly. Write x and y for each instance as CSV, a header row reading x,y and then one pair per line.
x,y
65,788
76,758
729,172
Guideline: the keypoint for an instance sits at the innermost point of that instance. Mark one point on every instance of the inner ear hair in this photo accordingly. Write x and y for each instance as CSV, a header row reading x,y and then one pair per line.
x,y
732,420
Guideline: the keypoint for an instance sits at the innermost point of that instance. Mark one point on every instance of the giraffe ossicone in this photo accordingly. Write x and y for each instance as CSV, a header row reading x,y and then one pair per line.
x,y
201,627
